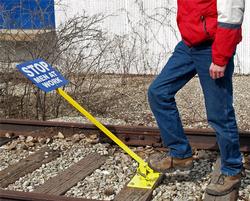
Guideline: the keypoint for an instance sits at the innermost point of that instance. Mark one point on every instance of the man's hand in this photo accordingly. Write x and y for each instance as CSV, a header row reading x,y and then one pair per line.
x,y
217,71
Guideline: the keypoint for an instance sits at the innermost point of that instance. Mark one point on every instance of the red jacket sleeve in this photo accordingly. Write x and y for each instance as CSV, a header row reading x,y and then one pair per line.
x,y
228,34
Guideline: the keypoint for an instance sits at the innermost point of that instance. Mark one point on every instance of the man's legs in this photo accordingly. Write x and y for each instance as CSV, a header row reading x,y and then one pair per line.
x,y
177,72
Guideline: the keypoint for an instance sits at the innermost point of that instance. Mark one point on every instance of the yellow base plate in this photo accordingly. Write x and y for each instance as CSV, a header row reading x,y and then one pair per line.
x,y
139,181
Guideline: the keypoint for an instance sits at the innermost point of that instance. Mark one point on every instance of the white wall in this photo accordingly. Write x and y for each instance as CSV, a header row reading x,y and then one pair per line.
x,y
119,22
243,50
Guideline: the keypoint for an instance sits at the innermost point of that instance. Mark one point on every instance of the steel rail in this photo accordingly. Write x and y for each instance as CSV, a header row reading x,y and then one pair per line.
x,y
131,135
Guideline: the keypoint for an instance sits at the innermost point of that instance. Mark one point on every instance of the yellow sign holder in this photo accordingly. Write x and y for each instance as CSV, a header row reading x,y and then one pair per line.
x,y
145,177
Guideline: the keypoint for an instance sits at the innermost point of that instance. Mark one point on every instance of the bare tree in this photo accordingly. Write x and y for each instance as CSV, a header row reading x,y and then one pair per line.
x,y
75,48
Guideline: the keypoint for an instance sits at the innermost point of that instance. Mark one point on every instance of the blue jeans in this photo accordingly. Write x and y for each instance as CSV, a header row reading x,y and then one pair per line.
x,y
184,64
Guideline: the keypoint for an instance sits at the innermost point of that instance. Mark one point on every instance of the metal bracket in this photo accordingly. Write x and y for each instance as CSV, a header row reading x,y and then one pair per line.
x,y
145,178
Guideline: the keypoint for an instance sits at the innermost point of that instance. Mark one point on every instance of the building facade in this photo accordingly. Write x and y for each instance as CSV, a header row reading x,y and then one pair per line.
x,y
21,23
154,20
124,12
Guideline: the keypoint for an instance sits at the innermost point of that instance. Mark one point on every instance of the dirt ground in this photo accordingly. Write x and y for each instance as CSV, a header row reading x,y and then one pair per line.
x,y
123,100
132,106
128,103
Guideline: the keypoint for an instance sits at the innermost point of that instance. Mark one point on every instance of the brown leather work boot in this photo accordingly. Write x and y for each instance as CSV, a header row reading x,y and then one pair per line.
x,y
166,164
224,185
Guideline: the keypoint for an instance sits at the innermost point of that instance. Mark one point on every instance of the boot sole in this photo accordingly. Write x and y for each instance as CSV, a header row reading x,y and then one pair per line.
x,y
216,193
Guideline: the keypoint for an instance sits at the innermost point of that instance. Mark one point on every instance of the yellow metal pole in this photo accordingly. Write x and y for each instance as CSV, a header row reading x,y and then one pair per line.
x,y
145,177
102,128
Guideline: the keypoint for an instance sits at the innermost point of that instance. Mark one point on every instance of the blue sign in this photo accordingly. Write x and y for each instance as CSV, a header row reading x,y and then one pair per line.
x,y
42,75
27,14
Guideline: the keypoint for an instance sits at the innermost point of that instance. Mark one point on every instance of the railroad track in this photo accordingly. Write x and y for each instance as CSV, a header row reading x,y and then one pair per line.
x,y
54,188
132,136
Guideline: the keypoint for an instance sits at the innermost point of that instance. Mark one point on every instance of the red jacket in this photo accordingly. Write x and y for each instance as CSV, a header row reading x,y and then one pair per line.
x,y
216,20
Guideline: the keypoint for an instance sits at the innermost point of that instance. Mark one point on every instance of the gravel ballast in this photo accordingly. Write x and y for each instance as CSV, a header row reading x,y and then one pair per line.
x,y
132,109
70,153
105,182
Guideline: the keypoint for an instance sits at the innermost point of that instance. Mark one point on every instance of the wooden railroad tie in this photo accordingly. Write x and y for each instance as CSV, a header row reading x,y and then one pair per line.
x,y
24,196
27,165
137,194
233,196
61,183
